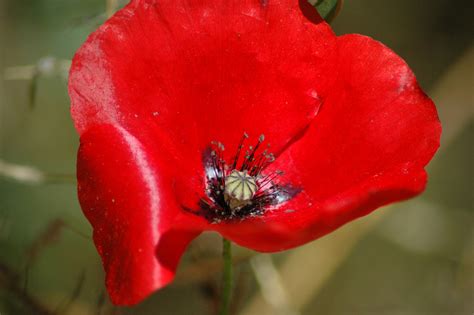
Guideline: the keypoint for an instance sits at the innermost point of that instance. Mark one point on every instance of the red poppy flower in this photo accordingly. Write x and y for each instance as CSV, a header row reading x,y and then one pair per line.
x,y
167,93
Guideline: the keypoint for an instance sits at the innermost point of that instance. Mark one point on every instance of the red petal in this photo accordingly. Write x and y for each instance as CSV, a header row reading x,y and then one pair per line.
x,y
149,91
367,147
125,192
205,70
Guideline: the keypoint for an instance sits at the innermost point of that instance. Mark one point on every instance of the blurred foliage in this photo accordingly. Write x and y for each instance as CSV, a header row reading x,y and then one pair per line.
x,y
417,258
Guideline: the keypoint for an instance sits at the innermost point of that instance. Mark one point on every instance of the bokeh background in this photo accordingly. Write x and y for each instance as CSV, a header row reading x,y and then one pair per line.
x,y
413,258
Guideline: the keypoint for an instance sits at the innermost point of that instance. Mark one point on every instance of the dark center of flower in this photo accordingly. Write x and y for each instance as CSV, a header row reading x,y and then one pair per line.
x,y
241,188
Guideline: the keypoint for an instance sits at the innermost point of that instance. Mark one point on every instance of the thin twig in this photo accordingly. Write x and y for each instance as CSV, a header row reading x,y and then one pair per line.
x,y
47,66
271,285
64,306
100,303
9,280
50,235
31,175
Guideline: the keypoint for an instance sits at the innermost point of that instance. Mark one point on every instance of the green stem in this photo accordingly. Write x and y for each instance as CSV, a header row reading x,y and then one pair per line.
x,y
226,277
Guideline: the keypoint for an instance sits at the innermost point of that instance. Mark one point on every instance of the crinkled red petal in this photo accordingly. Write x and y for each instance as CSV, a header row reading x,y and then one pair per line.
x,y
125,190
367,147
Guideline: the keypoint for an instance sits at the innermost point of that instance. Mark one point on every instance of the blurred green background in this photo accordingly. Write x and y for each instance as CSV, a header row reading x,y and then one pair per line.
x,y
414,258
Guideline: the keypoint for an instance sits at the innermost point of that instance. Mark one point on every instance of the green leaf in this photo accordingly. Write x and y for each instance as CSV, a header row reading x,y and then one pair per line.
x,y
328,9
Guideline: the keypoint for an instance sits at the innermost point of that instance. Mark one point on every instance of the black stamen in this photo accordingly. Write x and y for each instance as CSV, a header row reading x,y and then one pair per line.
x,y
239,148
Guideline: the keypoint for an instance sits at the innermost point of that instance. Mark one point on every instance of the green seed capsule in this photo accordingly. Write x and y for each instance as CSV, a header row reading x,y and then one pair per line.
x,y
240,187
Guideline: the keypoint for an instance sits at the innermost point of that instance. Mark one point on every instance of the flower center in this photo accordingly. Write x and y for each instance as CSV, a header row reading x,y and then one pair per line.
x,y
241,188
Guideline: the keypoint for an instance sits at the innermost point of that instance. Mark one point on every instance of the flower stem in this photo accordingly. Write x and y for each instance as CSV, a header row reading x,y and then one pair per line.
x,y
226,277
